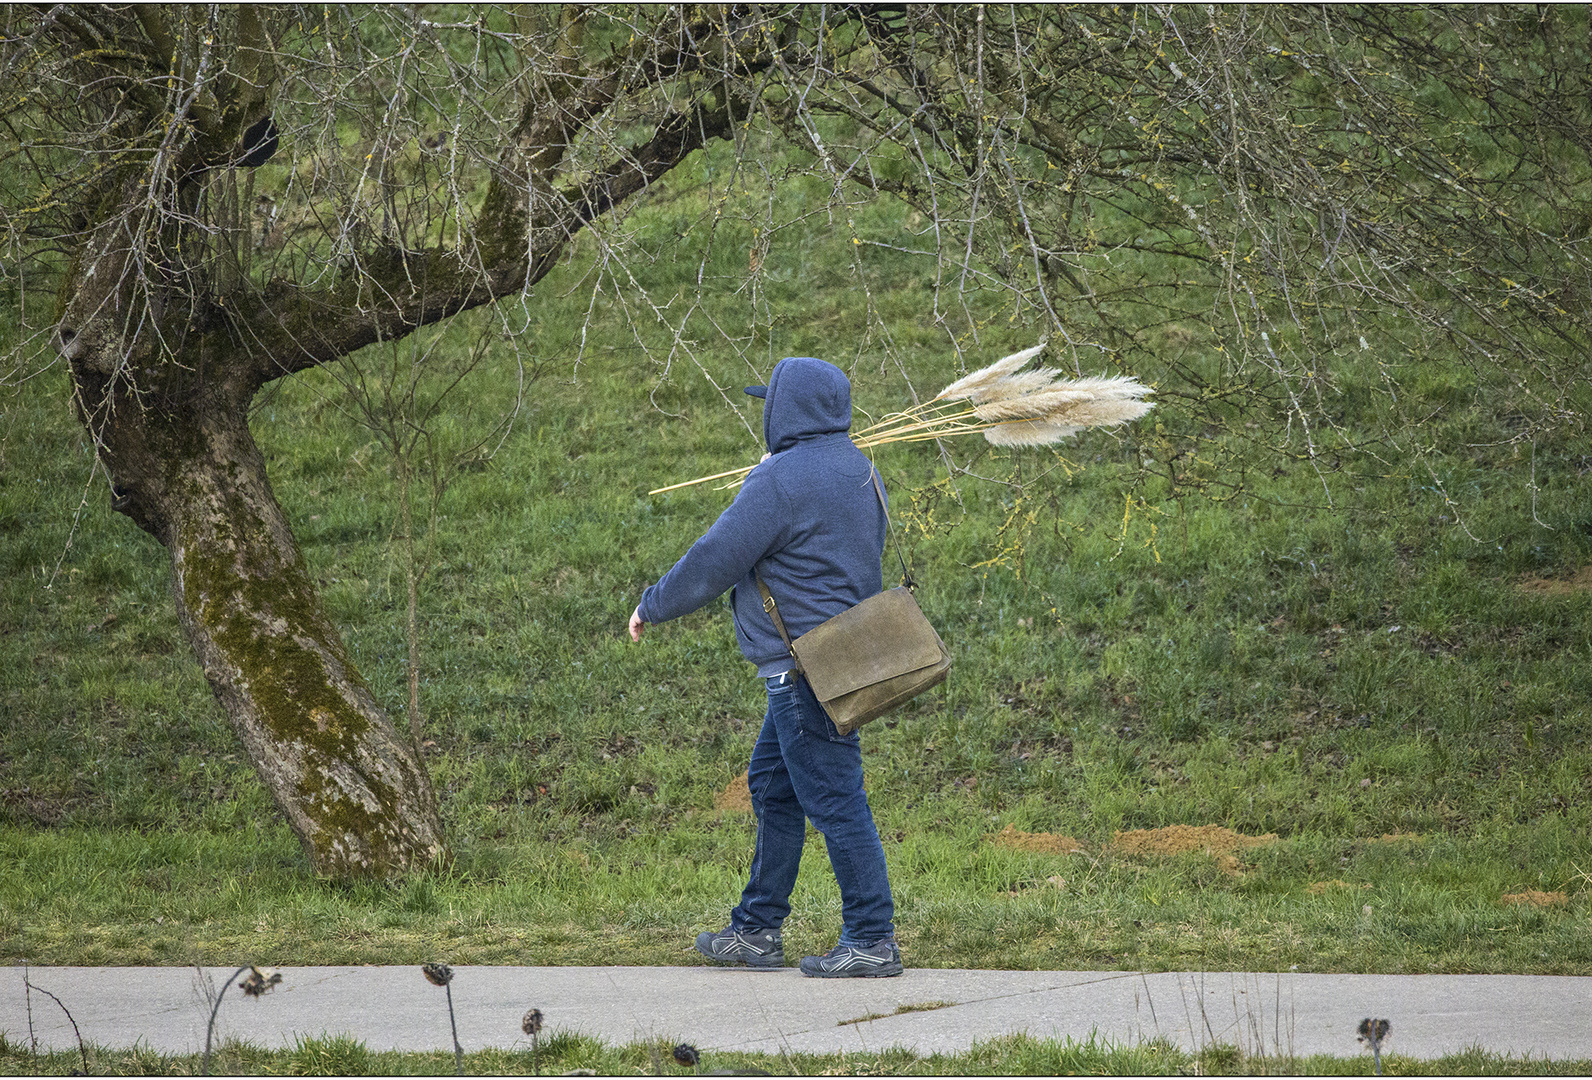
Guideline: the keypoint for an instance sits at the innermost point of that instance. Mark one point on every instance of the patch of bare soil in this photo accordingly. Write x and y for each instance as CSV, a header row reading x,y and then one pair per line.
x,y
1316,888
1042,843
39,809
1220,843
1533,898
1580,582
1177,839
736,797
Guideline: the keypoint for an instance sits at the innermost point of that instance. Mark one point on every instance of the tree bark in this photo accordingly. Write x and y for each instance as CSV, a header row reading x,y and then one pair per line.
x,y
168,411
169,416
188,470
348,784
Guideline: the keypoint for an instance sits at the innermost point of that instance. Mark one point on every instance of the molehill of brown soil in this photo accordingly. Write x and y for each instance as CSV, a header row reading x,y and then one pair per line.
x,y
1581,582
1535,898
736,797
1177,839
1221,844
1043,843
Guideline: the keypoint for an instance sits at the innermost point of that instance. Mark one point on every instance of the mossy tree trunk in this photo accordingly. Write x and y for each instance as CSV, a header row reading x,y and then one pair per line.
x,y
346,780
349,784
172,430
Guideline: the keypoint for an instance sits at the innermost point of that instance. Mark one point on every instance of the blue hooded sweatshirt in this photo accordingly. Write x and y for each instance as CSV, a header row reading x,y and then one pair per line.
x,y
807,519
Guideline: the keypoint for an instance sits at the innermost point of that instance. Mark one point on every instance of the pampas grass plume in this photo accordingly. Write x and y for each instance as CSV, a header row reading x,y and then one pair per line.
x,y
1028,433
1008,406
974,382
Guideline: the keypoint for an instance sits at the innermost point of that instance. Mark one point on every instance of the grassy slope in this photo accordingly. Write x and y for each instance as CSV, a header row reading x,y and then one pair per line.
x,y
1327,677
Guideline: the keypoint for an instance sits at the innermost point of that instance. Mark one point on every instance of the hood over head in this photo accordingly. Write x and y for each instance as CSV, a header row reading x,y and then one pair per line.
x,y
805,397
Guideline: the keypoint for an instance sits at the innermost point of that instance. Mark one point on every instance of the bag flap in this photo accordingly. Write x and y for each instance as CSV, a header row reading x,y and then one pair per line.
x,y
884,636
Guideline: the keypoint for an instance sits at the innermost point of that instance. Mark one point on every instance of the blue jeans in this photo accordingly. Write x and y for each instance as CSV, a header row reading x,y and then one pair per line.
x,y
803,768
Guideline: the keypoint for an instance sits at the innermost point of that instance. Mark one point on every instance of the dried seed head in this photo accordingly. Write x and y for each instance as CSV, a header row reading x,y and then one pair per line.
x,y
1374,1031
259,981
1057,409
1102,412
1028,433
972,383
531,1023
437,974
687,1055
1108,386
1036,406
1022,384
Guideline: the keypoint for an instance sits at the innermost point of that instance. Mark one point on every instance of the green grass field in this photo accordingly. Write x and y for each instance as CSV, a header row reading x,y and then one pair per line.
x,y
1401,705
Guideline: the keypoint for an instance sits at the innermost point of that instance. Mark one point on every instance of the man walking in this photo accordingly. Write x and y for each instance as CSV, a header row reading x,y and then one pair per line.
x,y
809,522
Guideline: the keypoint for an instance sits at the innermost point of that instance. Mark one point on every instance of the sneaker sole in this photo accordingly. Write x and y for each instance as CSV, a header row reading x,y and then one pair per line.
x,y
881,973
775,965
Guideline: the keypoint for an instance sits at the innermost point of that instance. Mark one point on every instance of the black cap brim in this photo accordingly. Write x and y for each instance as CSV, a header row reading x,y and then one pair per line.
x,y
758,391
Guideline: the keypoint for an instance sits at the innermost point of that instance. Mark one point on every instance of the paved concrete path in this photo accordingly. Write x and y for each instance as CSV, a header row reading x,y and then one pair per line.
x,y
167,1009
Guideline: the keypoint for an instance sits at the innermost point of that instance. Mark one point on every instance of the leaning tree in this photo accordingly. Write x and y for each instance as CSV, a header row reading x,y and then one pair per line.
x,y
438,159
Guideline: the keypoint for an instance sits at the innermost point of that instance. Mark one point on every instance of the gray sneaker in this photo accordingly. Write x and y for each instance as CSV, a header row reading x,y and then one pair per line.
x,y
877,961
754,948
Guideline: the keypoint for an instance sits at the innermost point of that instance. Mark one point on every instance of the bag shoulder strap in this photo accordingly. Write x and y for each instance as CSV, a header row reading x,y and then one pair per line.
x,y
779,623
878,488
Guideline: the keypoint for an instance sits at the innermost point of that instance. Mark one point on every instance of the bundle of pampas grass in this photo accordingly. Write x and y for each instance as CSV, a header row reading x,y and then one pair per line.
x,y
1002,402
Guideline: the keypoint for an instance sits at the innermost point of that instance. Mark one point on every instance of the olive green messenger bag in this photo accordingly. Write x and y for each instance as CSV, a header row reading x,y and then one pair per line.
x,y
870,658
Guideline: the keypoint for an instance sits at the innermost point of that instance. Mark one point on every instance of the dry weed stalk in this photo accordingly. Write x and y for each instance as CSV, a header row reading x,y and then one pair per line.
x,y
1373,1032
31,986
259,981
442,975
531,1024
1008,406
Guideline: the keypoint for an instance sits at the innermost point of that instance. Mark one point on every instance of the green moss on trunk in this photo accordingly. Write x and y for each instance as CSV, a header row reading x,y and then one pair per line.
x,y
348,784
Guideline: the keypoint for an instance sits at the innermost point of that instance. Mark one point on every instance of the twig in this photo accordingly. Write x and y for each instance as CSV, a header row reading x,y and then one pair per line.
x,y
1203,1015
531,1024
1276,1015
81,1049
703,479
27,994
204,1067
442,975
458,1051
1188,1017
1373,1032
1149,1000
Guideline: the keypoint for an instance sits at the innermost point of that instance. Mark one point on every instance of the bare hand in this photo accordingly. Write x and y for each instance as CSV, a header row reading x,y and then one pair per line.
x,y
636,625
